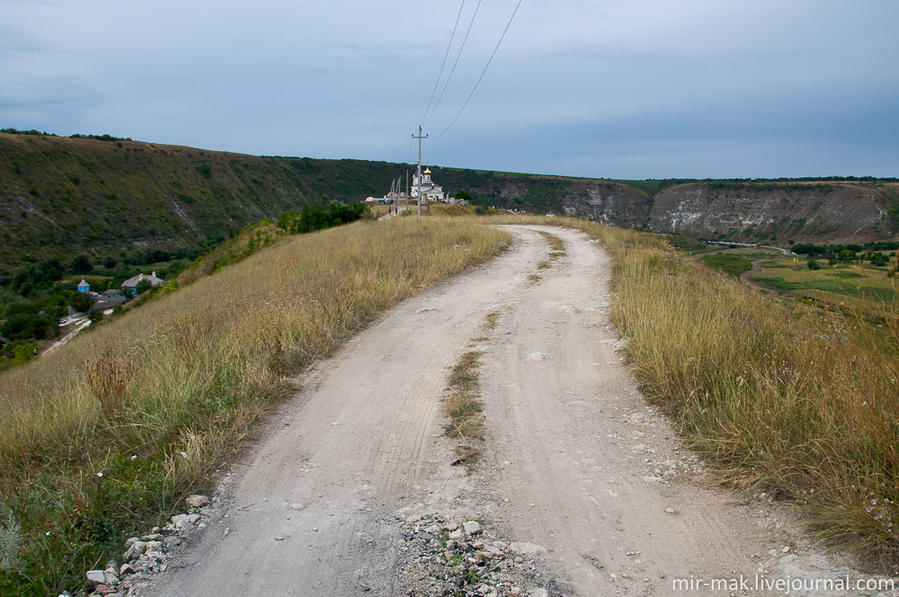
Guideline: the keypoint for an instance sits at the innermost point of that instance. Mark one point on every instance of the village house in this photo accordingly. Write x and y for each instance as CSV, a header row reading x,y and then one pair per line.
x,y
130,285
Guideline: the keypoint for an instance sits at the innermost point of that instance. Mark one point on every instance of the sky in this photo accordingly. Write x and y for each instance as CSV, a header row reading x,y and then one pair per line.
x,y
626,89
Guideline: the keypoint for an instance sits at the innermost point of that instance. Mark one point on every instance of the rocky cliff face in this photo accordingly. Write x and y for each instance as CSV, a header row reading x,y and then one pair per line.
x,y
769,211
774,211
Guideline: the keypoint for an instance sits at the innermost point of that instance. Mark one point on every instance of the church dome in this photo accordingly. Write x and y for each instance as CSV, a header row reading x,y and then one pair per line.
x,y
427,170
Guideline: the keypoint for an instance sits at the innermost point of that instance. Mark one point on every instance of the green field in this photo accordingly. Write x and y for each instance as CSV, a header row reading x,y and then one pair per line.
x,y
864,288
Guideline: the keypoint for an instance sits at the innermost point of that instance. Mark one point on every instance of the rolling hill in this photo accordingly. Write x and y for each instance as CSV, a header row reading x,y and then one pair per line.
x,y
104,195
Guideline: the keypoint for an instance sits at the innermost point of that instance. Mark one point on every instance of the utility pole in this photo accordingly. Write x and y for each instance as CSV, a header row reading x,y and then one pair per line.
x,y
419,137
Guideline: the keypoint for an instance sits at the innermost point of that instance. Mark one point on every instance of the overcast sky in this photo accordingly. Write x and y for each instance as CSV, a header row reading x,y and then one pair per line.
x,y
620,89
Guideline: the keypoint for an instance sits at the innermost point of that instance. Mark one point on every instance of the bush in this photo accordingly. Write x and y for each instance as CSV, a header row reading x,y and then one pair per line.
x,y
812,264
81,302
318,217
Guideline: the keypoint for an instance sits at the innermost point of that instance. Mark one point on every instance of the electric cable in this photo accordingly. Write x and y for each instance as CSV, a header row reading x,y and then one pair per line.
x,y
483,72
445,56
458,55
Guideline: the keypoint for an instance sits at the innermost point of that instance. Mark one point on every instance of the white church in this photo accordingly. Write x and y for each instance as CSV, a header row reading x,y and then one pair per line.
x,y
429,190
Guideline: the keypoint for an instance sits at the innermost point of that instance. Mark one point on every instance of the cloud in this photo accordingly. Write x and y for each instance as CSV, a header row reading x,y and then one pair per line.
x,y
619,89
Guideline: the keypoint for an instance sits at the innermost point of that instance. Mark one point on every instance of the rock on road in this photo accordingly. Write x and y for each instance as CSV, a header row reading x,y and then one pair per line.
x,y
574,461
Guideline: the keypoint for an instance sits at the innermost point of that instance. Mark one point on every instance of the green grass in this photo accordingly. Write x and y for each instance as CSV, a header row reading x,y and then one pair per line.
x,y
157,400
733,265
864,288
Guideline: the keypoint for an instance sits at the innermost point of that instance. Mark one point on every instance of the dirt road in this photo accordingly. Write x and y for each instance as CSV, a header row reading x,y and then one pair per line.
x,y
574,461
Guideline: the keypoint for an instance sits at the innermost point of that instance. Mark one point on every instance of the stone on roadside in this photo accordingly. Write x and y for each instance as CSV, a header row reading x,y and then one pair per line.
x,y
413,518
152,546
197,501
135,550
178,520
457,535
96,576
126,568
171,542
111,577
524,547
472,527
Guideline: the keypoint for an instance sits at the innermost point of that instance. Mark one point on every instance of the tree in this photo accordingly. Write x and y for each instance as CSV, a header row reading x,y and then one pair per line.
x,y
81,265
143,286
81,302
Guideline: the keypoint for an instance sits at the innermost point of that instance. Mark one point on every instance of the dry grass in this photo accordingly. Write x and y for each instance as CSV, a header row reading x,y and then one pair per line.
x,y
178,383
556,244
780,396
463,407
556,250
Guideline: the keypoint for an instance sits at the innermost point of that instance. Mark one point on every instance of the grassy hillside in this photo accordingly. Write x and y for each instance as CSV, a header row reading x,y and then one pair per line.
x,y
102,196
106,436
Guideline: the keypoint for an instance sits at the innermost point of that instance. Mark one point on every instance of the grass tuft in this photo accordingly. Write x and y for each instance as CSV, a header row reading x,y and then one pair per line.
x,y
463,407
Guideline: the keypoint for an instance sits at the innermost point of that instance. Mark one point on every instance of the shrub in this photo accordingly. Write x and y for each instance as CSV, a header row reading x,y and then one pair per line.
x,y
318,217
812,264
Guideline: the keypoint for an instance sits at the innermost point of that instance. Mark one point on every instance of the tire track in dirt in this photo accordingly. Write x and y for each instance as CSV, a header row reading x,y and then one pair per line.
x,y
574,460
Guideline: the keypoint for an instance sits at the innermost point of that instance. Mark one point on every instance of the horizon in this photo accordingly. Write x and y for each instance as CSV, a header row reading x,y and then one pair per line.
x,y
97,137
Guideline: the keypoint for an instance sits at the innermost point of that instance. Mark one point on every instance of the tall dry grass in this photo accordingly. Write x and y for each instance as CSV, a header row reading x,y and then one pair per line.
x,y
779,395
159,398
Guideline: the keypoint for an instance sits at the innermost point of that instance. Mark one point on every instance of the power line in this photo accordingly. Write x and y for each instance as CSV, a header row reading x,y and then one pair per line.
x,y
483,72
458,55
445,56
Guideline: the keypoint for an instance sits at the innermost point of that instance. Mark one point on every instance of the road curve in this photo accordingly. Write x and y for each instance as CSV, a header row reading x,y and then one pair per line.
x,y
575,460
